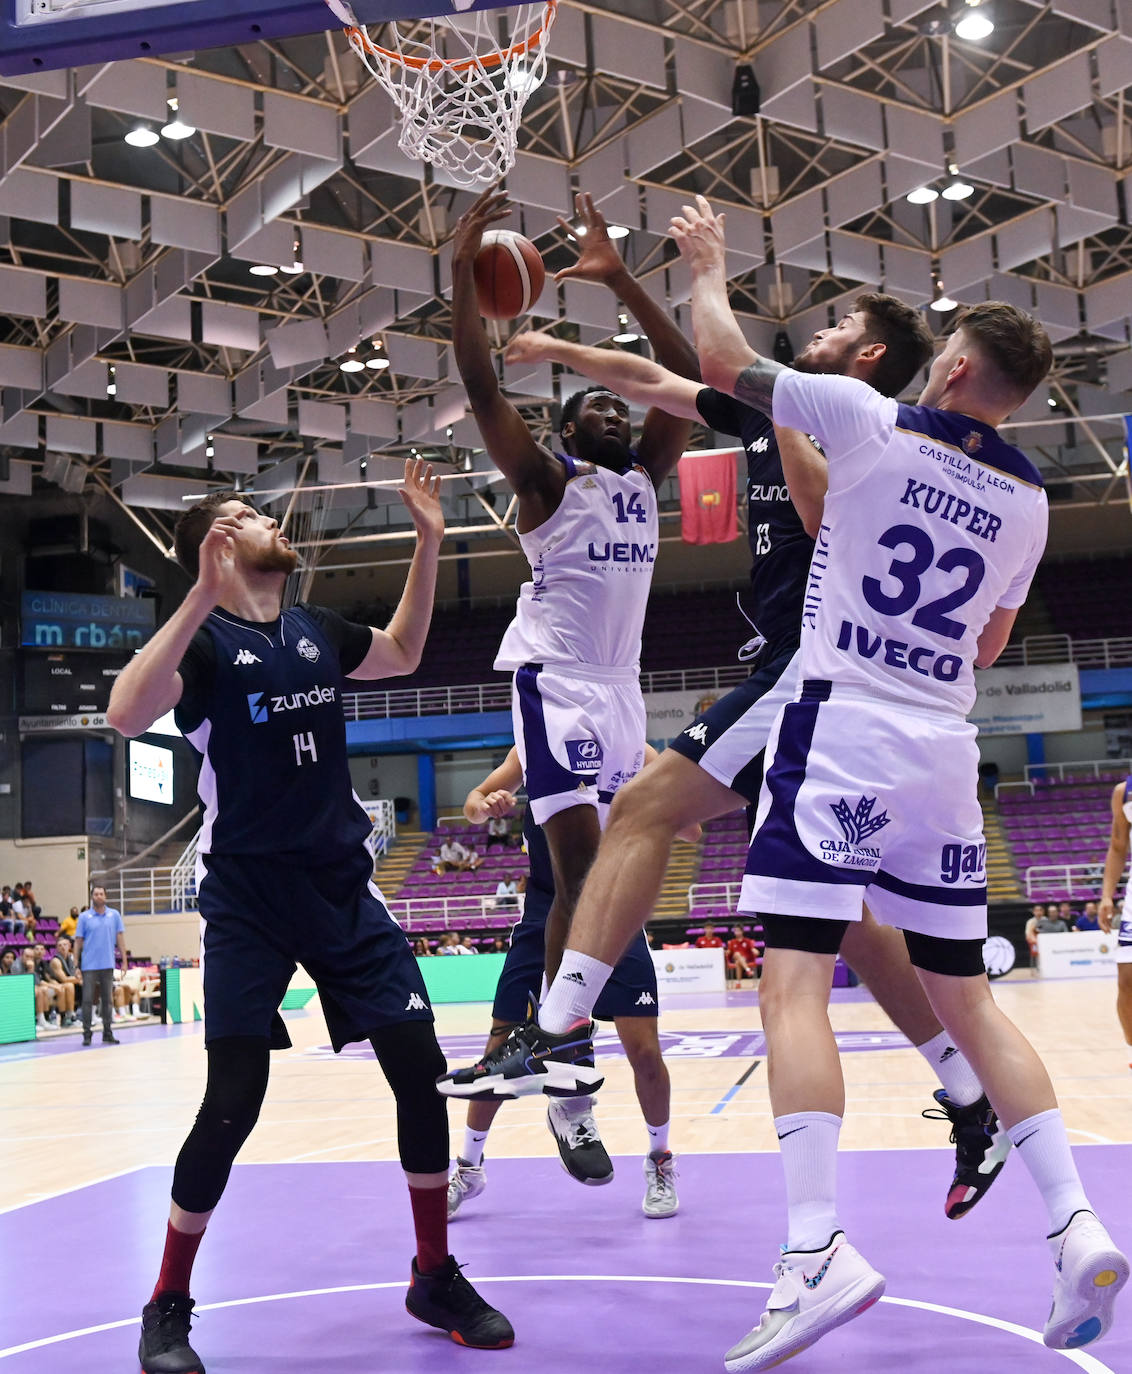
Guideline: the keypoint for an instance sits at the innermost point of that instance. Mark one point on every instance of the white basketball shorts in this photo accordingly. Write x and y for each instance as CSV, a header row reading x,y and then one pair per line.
x,y
1124,938
866,800
579,740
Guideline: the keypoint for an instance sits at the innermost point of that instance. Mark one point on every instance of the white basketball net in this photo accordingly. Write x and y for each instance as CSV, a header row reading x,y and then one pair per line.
x,y
461,94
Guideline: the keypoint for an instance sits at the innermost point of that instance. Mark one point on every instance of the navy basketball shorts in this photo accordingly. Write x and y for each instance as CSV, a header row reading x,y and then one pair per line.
x,y
631,990
870,800
1124,938
728,739
260,918
580,732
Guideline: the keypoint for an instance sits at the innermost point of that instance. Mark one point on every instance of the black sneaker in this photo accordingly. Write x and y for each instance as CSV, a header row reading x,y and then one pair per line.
x,y
583,1156
164,1346
530,1060
448,1301
87,1037
111,1040
981,1147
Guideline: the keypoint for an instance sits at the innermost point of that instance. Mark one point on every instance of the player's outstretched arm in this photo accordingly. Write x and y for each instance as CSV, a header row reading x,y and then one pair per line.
x,y
727,360
150,684
534,474
495,796
1115,861
396,650
806,472
639,380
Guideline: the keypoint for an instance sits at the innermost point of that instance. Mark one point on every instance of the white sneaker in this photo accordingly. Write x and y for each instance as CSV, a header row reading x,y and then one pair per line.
x,y
467,1181
816,1291
660,1185
1090,1273
41,1022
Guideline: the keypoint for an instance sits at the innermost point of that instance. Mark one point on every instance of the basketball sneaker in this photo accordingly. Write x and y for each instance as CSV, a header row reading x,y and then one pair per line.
x,y
1091,1271
446,1300
815,1291
584,1157
660,1185
164,1346
530,1060
981,1147
467,1181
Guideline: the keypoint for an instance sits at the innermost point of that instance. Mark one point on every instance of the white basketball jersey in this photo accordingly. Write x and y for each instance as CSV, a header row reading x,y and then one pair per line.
x,y
931,521
591,565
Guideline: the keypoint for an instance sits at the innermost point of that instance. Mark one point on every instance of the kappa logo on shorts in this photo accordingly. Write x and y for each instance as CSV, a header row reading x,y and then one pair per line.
x,y
308,649
697,732
416,1003
646,999
585,755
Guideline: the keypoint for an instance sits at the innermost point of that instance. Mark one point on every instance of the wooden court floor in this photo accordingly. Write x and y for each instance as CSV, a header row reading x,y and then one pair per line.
x,y
73,1116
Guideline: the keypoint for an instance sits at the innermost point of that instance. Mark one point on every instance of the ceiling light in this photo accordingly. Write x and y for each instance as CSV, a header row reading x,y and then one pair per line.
x,y
176,128
296,259
943,302
351,362
975,24
111,383
957,190
617,231
626,335
379,363
1051,402
142,136
922,195
263,269
209,448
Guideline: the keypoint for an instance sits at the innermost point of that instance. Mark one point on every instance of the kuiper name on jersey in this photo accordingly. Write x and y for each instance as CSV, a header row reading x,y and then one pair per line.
x,y
945,505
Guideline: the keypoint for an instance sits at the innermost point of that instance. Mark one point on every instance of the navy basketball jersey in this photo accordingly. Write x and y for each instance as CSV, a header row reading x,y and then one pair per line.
x,y
780,547
262,706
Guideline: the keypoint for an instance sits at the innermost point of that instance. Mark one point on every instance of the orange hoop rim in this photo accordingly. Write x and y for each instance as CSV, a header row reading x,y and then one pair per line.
x,y
437,64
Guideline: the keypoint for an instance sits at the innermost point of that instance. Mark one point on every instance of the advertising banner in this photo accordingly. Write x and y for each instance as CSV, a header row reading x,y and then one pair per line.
x,y
1077,954
1027,700
74,620
668,713
688,970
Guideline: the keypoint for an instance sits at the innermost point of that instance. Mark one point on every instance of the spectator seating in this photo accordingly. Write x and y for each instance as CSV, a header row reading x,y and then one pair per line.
x,y
1075,609
427,891
1065,821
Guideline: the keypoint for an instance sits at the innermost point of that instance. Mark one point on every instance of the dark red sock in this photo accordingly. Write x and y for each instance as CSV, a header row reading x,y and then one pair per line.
x,y
177,1261
430,1221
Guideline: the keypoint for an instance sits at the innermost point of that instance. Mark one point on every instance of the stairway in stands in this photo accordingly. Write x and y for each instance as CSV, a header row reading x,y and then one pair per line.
x,y
1003,880
683,868
392,870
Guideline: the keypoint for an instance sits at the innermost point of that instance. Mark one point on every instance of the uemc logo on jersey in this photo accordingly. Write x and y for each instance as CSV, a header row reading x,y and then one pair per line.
x,y
857,824
963,863
606,551
585,755
262,707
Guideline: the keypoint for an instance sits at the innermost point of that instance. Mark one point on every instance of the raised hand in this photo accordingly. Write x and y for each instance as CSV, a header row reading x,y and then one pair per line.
x,y
531,346
487,209
421,494
698,233
488,807
218,575
598,260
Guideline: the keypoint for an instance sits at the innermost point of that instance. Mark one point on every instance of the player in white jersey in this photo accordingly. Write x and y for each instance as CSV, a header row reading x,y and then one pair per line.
x,y
933,529
1116,867
587,521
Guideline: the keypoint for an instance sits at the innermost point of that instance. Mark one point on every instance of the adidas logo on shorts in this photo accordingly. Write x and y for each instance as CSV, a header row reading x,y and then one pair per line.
x,y
416,1003
646,999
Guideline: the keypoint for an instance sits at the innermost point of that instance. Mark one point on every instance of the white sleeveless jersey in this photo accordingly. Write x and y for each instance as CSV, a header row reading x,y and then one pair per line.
x,y
931,521
591,565
1127,803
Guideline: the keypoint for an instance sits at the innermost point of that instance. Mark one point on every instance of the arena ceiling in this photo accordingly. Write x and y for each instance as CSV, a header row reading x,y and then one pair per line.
x,y
129,268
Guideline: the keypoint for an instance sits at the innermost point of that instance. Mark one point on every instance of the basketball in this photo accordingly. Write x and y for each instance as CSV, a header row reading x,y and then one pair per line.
x,y
509,275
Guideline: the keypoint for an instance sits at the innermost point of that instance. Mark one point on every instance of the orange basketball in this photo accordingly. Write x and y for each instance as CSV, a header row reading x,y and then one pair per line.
x,y
509,275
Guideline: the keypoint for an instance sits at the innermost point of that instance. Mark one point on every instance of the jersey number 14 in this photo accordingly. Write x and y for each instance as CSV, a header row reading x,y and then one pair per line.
x,y
304,744
633,509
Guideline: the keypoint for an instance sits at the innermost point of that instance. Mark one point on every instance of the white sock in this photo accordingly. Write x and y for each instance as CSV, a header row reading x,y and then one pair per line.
x,y
472,1153
658,1138
956,1076
1044,1147
808,1141
577,986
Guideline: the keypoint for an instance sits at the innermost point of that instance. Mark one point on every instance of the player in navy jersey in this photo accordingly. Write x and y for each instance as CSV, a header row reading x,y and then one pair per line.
x,y
285,875
935,528
715,765
587,522
630,1000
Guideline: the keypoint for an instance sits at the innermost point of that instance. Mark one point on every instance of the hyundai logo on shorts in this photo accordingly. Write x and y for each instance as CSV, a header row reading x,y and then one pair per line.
x,y
585,755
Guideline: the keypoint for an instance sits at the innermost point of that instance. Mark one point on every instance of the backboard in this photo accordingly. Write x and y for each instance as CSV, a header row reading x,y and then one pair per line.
x,y
42,35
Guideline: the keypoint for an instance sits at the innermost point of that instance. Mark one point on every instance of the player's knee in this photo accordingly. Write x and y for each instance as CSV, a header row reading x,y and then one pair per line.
x,y
645,803
410,1059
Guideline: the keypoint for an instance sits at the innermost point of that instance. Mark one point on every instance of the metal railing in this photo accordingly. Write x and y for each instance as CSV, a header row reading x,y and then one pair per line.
x,y
384,832
1086,653
1092,768
715,894
1083,880
457,913
496,696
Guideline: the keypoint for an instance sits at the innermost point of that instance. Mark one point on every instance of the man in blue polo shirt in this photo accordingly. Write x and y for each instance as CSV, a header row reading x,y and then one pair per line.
x,y
98,932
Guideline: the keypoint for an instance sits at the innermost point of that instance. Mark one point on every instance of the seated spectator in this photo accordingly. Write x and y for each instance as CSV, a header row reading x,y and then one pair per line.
x,y
1088,919
499,832
69,922
62,971
449,943
456,857
1050,923
44,992
127,994
8,962
709,939
506,893
498,945
1065,913
1037,913
742,954
421,947
30,904
10,922
21,911
465,945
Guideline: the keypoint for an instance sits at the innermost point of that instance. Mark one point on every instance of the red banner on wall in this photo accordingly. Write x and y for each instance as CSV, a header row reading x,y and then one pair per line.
x,y
707,497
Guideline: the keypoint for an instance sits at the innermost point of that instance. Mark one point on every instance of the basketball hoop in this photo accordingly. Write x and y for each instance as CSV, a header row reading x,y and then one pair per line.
x,y
461,95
